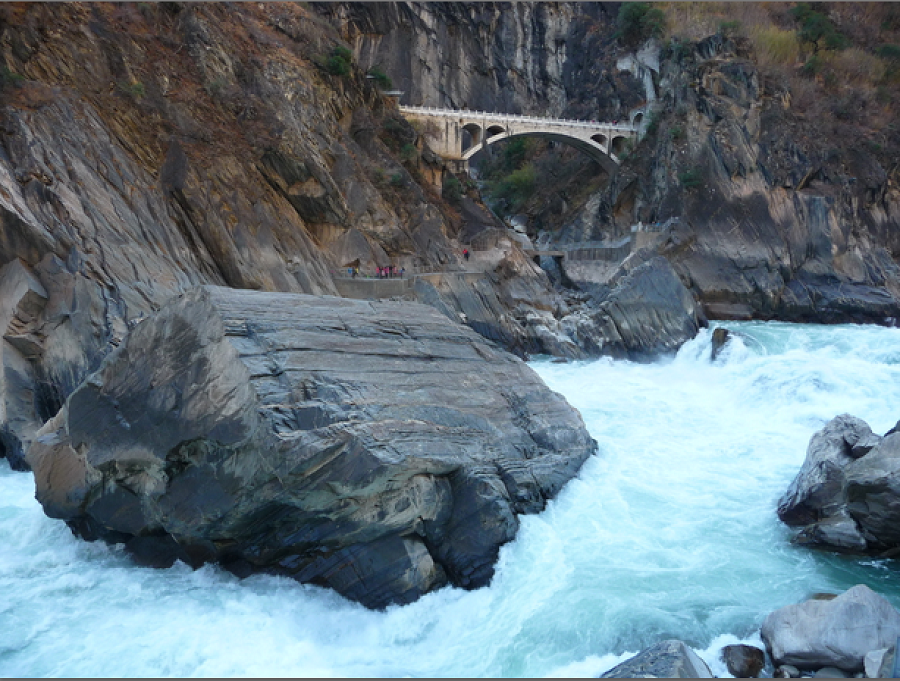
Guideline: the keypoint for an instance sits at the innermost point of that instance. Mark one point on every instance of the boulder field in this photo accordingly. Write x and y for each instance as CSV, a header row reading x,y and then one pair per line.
x,y
373,447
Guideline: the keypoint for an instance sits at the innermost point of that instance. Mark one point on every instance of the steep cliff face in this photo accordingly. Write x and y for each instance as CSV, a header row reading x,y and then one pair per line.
x,y
780,216
784,211
145,149
536,58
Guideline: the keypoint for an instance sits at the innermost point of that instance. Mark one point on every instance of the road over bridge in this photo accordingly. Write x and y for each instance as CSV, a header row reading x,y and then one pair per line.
x,y
458,135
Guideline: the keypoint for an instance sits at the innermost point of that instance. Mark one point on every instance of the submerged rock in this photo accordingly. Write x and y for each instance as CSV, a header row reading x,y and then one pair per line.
x,y
376,448
671,659
837,633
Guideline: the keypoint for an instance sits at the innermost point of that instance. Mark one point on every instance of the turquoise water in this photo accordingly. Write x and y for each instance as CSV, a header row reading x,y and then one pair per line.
x,y
669,532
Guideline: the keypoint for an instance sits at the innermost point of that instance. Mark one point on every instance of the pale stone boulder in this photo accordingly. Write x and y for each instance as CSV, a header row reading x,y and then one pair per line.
x,y
837,633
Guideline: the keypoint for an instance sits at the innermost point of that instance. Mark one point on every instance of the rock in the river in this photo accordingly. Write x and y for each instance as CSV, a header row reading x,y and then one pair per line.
x,y
720,337
376,448
818,487
671,659
787,671
846,496
743,661
837,633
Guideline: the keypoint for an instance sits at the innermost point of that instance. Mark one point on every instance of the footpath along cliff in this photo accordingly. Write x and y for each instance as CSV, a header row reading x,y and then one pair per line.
x,y
769,136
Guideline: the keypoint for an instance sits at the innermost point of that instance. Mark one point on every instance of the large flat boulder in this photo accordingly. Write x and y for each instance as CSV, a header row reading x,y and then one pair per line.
x,y
377,448
832,633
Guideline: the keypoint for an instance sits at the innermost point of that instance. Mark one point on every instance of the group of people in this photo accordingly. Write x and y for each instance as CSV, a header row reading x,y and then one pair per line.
x,y
388,272
391,272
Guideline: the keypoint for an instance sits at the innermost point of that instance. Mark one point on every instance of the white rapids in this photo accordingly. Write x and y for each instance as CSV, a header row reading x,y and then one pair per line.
x,y
670,532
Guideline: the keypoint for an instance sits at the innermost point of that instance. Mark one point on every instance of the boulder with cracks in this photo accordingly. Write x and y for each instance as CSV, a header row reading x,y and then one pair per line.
x,y
376,448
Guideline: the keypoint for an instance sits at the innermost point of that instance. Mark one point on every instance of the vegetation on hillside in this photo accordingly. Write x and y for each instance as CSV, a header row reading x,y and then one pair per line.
x,y
835,60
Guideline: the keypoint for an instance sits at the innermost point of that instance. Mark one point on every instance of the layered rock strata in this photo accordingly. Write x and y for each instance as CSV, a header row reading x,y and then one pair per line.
x,y
376,448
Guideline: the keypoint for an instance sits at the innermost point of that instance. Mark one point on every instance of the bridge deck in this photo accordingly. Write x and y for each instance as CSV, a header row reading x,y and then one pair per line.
x,y
515,118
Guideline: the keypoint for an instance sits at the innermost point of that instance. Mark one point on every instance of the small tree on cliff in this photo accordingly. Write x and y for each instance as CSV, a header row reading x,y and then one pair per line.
x,y
638,21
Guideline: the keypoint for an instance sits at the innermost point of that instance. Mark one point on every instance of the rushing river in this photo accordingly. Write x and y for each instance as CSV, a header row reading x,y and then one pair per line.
x,y
669,532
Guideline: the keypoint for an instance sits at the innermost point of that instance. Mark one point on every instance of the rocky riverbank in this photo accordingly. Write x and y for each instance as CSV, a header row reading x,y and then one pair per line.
x,y
376,448
851,635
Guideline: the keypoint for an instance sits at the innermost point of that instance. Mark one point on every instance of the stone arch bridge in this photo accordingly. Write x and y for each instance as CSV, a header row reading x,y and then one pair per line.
x,y
457,135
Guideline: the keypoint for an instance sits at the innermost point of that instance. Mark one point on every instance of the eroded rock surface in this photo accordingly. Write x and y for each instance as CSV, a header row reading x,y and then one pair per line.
x,y
845,497
376,448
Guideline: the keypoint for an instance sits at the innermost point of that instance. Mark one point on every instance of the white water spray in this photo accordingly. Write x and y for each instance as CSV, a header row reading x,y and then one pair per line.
x,y
669,532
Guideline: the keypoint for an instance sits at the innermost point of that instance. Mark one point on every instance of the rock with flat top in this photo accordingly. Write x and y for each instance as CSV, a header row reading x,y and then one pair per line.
x,y
373,447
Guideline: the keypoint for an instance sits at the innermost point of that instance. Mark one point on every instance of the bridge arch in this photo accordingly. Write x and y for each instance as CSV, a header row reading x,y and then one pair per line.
x,y
592,149
618,146
462,134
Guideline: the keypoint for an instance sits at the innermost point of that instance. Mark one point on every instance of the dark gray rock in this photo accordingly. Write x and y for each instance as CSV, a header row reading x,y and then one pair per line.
x,y
787,671
650,311
873,493
846,496
838,632
671,659
376,448
720,337
817,491
743,661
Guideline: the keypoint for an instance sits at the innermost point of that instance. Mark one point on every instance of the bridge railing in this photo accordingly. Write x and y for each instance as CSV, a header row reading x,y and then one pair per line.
x,y
465,113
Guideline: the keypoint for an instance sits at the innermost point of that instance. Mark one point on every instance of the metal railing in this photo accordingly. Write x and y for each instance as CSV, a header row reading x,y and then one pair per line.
x,y
485,115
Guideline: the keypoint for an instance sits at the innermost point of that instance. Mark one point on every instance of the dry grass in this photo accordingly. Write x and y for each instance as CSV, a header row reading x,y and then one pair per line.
x,y
855,66
774,47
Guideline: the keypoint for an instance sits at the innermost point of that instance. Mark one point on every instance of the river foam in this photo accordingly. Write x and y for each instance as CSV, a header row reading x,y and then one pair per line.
x,y
669,532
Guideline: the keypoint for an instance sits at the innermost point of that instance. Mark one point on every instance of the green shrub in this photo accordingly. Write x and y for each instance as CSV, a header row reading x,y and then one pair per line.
x,y
451,189
812,67
638,21
380,78
397,180
691,178
339,61
408,152
516,187
135,89
676,132
817,29
889,52
9,79
729,28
